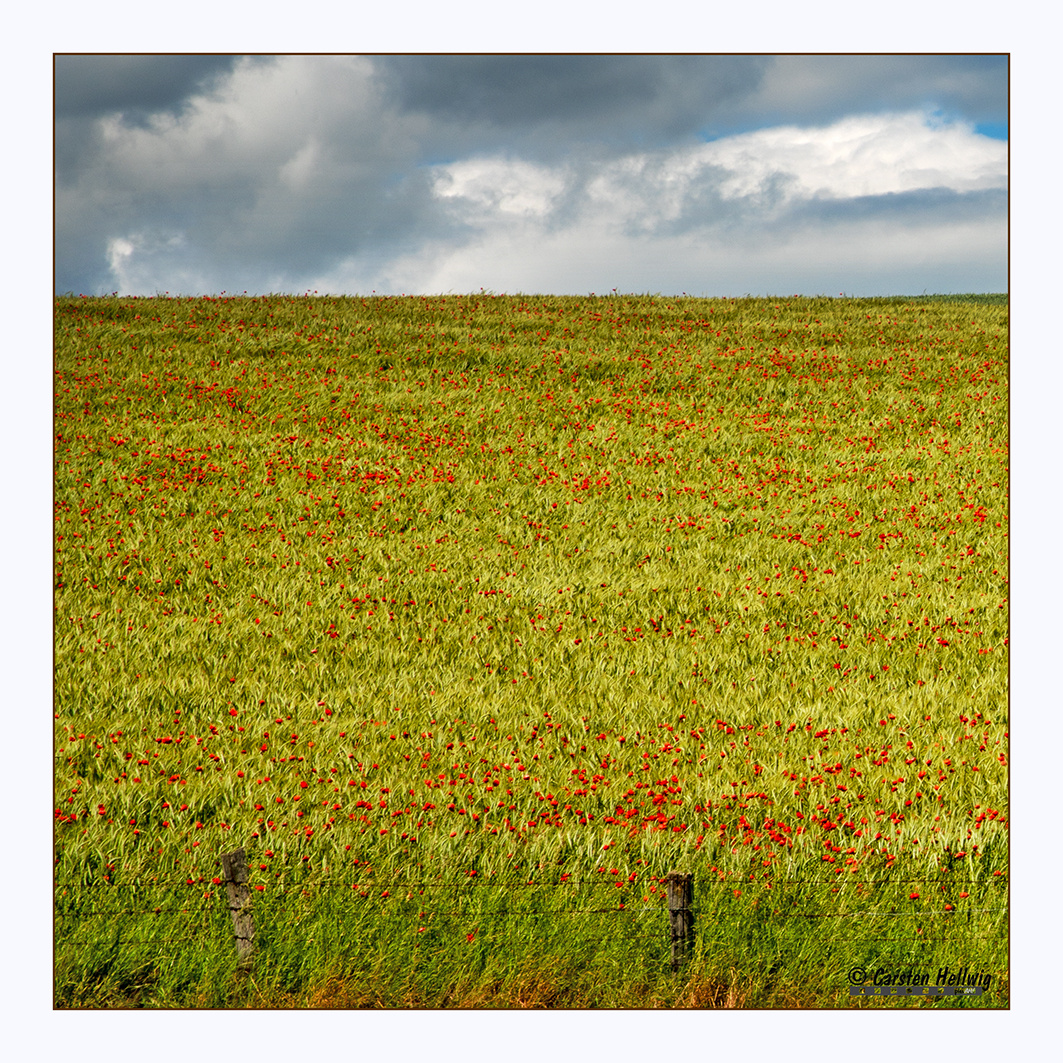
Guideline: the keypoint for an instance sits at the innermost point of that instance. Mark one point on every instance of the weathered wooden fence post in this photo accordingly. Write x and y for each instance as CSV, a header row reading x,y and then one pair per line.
x,y
680,915
234,870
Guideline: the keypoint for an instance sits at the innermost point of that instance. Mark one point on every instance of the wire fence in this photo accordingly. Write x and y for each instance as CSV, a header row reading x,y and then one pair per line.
x,y
115,937
78,902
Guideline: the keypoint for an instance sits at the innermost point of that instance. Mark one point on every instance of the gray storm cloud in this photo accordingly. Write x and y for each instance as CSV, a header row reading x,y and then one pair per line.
x,y
133,85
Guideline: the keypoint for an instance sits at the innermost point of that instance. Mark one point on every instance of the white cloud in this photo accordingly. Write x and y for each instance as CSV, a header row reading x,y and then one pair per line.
x,y
863,156
764,211
149,262
301,168
858,156
593,256
119,251
509,186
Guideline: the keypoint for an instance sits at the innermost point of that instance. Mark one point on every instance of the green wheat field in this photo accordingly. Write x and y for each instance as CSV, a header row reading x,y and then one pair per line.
x,y
471,618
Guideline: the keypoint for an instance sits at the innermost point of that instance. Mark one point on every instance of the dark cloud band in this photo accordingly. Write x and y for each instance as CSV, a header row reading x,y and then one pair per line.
x,y
87,86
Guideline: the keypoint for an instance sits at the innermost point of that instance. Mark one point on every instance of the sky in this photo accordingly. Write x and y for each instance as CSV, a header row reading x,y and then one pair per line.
x,y
709,174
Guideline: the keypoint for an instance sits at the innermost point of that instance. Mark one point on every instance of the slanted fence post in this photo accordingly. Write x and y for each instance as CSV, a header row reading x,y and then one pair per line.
x,y
234,871
680,915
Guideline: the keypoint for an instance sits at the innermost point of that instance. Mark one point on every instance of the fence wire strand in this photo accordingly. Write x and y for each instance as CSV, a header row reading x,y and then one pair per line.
x,y
611,883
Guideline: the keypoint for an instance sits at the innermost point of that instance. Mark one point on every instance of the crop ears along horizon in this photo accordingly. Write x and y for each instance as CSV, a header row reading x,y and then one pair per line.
x,y
714,175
